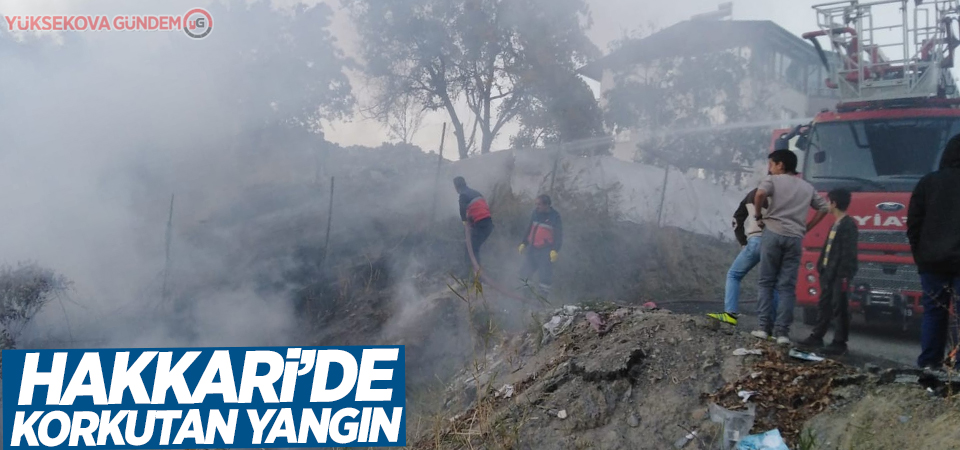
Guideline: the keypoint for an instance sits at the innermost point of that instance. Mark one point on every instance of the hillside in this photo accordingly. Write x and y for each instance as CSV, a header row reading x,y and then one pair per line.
x,y
637,378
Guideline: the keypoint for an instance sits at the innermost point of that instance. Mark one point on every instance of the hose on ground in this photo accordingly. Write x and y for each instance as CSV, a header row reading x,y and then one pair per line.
x,y
479,270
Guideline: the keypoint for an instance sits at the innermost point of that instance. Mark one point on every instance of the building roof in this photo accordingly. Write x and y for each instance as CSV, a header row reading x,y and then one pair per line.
x,y
694,37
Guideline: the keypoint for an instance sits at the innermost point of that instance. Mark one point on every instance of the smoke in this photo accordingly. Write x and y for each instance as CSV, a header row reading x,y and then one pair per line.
x,y
100,129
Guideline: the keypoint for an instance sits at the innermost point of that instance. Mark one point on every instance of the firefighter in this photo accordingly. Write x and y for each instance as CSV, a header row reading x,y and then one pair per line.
x,y
541,244
474,213
933,228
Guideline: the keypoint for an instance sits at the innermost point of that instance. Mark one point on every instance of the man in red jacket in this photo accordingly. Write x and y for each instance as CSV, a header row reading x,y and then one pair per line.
x,y
544,238
475,213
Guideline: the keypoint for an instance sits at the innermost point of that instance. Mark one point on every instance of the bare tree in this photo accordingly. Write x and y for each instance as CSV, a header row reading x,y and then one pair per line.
x,y
483,54
405,119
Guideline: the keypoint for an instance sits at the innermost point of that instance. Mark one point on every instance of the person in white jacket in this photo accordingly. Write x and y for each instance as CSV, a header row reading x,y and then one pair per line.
x,y
748,233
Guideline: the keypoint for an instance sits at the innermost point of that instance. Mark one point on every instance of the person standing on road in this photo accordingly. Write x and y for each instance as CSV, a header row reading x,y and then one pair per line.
x,y
544,238
474,213
781,242
748,234
933,228
837,267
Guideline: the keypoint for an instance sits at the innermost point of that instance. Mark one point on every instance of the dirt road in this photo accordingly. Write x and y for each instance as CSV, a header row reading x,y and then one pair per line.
x,y
884,346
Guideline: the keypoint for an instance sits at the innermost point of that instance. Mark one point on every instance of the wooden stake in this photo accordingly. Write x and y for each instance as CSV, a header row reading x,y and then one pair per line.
x,y
556,161
326,241
436,181
663,196
166,266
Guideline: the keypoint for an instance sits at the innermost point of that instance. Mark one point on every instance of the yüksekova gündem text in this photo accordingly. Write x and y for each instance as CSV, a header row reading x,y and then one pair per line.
x,y
178,398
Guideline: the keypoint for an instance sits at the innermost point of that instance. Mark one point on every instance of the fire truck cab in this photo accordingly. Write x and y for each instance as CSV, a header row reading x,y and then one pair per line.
x,y
894,118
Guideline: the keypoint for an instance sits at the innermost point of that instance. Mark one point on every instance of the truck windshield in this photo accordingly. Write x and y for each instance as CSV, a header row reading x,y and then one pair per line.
x,y
876,155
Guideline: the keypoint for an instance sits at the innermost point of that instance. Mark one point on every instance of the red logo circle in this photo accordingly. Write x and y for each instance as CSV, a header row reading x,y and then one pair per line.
x,y
197,23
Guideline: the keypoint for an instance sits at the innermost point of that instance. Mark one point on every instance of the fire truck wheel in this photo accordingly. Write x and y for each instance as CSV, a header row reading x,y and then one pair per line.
x,y
809,316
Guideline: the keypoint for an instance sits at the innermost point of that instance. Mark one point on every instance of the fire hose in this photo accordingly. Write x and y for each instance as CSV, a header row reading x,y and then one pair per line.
x,y
479,270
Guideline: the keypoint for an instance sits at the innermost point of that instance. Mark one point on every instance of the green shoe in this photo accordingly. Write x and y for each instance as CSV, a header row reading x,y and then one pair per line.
x,y
724,317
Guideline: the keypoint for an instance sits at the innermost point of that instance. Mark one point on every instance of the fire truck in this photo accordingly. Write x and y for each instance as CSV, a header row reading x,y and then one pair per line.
x,y
889,61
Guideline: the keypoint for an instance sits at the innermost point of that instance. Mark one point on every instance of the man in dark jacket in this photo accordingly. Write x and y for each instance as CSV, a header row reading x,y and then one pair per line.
x,y
748,233
933,227
544,238
837,266
475,213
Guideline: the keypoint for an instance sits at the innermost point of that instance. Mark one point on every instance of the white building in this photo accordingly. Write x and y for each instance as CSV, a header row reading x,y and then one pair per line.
x,y
774,57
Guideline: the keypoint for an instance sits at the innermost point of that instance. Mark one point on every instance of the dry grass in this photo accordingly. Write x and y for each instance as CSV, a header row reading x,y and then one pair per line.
x,y
24,291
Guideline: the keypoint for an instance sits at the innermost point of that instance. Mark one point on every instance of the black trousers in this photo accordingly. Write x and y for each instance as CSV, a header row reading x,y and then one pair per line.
x,y
833,305
479,233
538,260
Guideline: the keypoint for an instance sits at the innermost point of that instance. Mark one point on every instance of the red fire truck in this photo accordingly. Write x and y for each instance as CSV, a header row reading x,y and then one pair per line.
x,y
894,117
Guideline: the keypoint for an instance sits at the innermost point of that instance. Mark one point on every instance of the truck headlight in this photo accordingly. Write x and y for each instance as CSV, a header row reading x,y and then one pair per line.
x,y
809,266
812,291
811,278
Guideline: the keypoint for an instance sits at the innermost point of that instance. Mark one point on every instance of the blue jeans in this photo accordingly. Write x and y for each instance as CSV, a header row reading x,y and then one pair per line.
x,y
779,264
938,292
748,258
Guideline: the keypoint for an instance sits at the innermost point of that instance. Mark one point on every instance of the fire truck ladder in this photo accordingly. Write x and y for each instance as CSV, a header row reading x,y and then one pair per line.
x,y
922,48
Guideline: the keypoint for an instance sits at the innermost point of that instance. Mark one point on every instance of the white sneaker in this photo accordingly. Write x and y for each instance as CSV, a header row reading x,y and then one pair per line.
x,y
783,340
760,334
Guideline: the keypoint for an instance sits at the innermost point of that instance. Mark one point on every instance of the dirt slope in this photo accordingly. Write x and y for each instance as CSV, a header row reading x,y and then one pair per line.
x,y
638,378
891,417
636,386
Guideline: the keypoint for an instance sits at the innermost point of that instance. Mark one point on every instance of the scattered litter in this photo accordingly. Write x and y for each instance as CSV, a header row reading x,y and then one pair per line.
x,y
772,379
562,414
770,440
633,420
557,324
904,419
745,352
682,442
650,305
907,379
595,321
745,395
805,356
570,309
506,391
735,424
